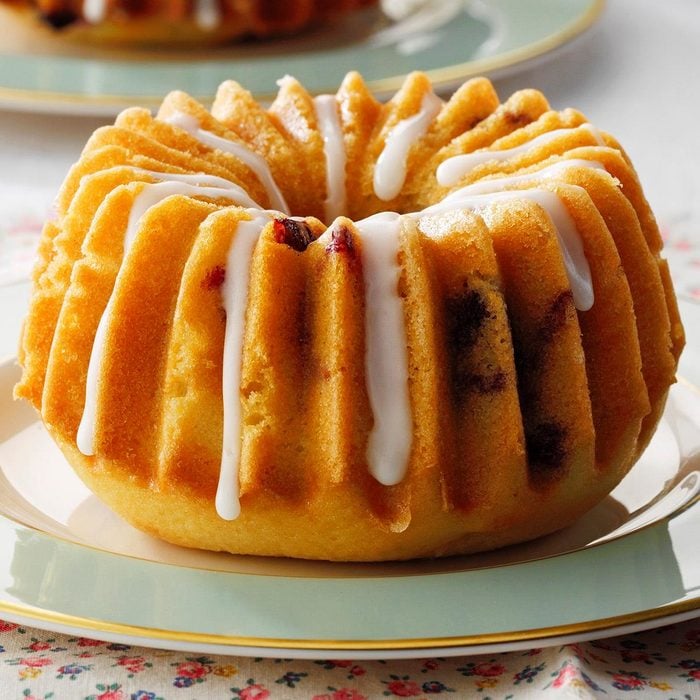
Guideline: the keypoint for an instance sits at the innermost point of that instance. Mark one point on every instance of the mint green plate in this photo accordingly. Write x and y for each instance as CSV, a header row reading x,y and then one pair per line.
x,y
68,564
38,72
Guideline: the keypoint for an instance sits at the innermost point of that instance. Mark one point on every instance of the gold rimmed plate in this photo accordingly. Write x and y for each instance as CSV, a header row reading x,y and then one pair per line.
x,y
70,565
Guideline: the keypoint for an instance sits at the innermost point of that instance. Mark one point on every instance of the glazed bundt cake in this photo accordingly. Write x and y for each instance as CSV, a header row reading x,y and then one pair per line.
x,y
347,330
193,22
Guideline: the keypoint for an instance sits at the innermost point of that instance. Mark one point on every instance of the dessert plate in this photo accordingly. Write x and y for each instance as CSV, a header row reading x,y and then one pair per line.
x,y
453,40
70,565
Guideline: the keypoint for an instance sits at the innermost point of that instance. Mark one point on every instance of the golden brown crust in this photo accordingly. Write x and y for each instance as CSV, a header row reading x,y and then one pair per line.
x,y
320,527
152,22
525,412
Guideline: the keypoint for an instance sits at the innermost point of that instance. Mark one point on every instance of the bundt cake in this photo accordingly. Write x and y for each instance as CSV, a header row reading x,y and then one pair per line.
x,y
194,22
345,330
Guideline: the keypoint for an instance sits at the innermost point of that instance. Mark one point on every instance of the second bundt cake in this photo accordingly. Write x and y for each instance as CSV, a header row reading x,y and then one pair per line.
x,y
347,330
193,23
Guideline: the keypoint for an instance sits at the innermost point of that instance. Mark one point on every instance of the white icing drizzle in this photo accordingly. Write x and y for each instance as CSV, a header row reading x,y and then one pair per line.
x,y
207,14
150,195
334,150
235,300
94,11
386,358
575,263
201,180
497,184
390,168
253,160
452,170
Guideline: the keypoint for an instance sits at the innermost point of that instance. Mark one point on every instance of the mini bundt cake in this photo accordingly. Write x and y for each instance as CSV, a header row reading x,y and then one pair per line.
x,y
347,330
181,22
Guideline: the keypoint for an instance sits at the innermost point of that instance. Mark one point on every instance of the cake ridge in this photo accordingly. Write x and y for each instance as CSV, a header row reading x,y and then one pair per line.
x,y
328,120
386,361
149,196
452,170
235,296
533,266
259,167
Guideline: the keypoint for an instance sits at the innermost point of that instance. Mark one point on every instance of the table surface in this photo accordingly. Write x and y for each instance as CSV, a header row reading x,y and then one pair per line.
x,y
634,75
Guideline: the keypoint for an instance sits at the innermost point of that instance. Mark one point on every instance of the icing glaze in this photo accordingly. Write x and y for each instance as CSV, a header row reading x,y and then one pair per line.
x,y
452,170
94,11
150,195
253,160
575,262
390,168
386,359
334,150
202,180
207,14
235,298
496,184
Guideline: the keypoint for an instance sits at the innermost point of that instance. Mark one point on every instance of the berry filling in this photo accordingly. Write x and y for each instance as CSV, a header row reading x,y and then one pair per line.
x,y
58,19
341,241
296,234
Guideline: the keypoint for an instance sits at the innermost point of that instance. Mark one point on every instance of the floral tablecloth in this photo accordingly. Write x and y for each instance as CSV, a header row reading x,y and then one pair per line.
x,y
663,663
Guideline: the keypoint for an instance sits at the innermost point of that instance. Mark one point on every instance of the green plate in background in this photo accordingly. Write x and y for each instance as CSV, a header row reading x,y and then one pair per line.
x,y
467,38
